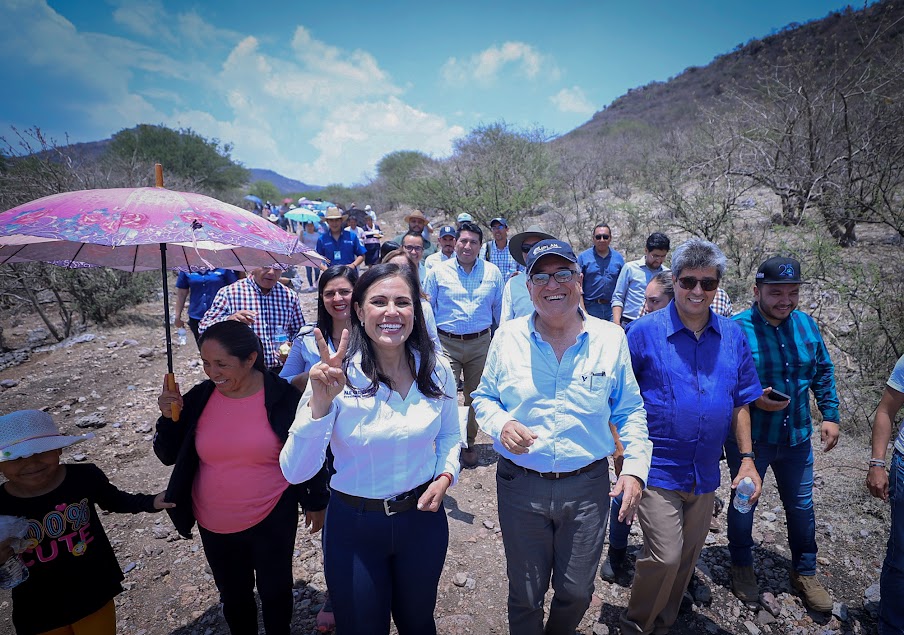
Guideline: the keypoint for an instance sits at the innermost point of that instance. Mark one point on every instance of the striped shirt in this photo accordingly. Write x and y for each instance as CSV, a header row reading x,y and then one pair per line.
x,y
791,357
278,312
502,258
464,302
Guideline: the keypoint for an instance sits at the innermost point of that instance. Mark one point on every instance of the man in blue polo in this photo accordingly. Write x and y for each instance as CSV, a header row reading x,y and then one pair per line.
x,y
600,266
791,357
340,246
696,377
628,296
553,382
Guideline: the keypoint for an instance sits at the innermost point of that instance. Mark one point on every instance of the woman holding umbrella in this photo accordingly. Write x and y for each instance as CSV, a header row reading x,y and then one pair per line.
x,y
226,476
388,411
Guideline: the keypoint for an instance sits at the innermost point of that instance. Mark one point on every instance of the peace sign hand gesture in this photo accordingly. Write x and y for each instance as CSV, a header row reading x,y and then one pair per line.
x,y
326,377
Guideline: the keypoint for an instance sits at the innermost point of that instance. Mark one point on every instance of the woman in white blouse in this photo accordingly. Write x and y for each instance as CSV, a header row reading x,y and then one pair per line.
x,y
388,411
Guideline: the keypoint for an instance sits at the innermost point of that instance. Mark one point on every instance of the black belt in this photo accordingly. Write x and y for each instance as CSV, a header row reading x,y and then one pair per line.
x,y
389,506
554,476
466,336
601,301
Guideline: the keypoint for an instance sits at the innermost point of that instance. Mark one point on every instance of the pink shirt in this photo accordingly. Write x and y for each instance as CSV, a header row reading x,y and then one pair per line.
x,y
238,481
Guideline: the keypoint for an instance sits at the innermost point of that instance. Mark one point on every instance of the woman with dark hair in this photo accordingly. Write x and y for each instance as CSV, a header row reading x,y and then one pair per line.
x,y
401,258
226,476
388,411
334,307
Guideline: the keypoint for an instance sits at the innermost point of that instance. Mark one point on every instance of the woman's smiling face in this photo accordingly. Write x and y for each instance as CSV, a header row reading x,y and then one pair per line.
x,y
228,372
387,312
337,298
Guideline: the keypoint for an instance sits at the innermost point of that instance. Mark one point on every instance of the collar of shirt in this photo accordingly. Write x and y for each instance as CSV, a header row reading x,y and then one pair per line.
x,y
675,324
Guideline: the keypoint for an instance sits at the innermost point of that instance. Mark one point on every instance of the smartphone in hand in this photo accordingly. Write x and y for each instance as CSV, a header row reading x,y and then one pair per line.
x,y
777,395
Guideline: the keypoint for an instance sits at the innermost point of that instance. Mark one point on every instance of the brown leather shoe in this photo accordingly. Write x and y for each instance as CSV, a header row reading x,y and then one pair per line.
x,y
815,595
469,456
744,584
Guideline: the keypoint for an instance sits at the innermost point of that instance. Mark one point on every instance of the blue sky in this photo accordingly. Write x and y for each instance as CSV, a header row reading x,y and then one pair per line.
x,y
320,91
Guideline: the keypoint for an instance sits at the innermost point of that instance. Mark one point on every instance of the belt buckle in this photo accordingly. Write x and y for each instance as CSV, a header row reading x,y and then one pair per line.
x,y
386,509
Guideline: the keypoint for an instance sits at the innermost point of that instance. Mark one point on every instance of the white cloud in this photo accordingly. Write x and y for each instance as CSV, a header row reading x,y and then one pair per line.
x,y
485,67
310,110
573,100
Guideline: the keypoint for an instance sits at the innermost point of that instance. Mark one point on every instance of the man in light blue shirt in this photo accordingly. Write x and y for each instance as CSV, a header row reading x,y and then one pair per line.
x,y
553,381
628,297
466,296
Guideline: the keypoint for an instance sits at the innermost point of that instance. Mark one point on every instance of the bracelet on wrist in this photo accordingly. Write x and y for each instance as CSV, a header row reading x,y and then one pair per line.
x,y
747,455
447,475
877,463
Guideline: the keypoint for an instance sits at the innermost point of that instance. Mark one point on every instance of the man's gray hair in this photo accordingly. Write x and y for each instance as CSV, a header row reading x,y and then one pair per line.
x,y
698,254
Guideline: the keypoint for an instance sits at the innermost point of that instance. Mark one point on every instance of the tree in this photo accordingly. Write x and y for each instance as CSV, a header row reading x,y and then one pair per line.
x,y
395,173
493,171
203,165
265,191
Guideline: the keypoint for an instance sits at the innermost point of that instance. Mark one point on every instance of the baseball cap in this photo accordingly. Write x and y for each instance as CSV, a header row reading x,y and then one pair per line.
x,y
551,247
446,230
464,217
499,220
779,270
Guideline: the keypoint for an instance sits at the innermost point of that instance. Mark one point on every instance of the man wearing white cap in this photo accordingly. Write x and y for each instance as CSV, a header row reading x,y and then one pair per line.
x,y
552,382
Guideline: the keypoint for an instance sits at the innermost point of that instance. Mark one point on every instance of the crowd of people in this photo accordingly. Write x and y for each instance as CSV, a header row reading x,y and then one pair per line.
x,y
565,360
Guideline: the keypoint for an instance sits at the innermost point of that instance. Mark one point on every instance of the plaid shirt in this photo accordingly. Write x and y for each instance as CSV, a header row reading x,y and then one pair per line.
x,y
464,302
277,312
502,258
791,357
722,303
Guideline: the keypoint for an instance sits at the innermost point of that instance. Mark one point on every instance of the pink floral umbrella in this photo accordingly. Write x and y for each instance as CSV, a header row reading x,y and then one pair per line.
x,y
146,228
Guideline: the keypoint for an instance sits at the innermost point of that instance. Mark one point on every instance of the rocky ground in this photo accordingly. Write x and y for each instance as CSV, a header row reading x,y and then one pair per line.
x,y
107,380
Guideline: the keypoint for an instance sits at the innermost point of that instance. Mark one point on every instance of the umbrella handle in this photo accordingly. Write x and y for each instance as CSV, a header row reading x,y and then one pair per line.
x,y
174,407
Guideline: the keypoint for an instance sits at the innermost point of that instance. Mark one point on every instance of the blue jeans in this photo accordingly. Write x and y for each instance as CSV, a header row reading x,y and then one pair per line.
x,y
551,530
792,467
601,311
618,531
377,565
891,582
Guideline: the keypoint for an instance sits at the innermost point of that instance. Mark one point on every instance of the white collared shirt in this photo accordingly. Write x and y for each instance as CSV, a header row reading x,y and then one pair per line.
x,y
382,445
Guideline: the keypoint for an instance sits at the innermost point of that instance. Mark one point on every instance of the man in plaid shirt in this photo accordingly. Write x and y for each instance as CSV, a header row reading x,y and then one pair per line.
x,y
497,250
261,302
791,357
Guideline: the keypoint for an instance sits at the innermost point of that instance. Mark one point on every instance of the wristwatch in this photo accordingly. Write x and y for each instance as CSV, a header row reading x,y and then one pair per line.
x,y
747,455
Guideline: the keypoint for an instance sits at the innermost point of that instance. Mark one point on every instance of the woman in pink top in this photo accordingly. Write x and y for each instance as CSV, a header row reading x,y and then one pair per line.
x,y
226,476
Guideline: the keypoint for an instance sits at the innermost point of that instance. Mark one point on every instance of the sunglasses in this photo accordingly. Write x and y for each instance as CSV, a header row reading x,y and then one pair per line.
x,y
526,247
690,283
412,248
542,279
602,236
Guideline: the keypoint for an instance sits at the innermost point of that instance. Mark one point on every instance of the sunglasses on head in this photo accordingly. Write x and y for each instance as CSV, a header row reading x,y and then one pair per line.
x,y
690,283
542,279
602,236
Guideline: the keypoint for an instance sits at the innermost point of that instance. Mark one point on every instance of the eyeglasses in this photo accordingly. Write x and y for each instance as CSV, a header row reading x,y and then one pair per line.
x,y
542,279
412,248
602,236
338,293
690,283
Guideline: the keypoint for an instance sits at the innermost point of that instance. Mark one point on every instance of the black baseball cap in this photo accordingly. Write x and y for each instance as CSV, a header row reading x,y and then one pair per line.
x,y
551,247
779,270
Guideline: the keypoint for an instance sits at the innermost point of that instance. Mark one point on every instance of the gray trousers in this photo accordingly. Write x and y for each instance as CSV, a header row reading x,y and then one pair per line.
x,y
551,529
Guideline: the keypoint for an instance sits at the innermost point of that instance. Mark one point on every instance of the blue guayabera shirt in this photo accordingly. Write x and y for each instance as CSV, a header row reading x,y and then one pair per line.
x,y
791,357
690,389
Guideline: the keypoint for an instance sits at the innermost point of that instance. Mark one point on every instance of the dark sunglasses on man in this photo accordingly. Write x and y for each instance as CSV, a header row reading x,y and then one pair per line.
x,y
690,283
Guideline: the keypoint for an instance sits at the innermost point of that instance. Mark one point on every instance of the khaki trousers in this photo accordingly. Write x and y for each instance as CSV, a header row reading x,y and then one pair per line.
x,y
674,527
469,358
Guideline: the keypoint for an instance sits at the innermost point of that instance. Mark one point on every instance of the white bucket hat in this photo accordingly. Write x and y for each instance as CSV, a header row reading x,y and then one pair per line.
x,y
27,432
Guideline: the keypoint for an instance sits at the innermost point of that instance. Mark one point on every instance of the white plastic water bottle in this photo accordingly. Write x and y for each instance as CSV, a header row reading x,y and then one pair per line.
x,y
743,492
13,572
180,337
